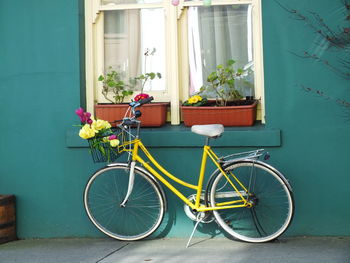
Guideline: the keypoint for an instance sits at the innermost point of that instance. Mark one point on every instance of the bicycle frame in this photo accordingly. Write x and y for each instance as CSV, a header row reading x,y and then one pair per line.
x,y
207,151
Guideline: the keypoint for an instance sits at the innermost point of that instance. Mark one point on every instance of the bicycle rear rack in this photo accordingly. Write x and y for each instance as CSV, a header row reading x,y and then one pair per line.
x,y
256,154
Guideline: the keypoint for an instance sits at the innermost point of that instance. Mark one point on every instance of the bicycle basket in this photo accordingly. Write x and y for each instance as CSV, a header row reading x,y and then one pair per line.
x,y
102,151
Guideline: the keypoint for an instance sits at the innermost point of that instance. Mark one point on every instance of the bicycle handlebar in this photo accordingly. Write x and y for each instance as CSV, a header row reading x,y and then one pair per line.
x,y
136,113
144,101
135,104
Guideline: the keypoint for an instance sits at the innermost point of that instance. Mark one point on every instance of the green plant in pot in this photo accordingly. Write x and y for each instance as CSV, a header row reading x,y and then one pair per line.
x,y
114,88
222,83
154,114
142,79
228,108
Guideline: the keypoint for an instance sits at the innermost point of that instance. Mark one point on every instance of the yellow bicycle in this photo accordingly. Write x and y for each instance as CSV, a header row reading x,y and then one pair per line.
x,y
249,199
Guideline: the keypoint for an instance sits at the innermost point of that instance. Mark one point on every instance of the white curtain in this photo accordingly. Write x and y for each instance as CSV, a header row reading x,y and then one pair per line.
x,y
217,34
128,34
122,42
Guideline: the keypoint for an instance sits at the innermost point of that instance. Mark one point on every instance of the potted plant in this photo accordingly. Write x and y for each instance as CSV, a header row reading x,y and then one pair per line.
x,y
115,90
229,108
154,113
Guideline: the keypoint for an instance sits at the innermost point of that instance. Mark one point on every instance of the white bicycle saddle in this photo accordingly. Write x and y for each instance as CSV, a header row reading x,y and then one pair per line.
x,y
210,130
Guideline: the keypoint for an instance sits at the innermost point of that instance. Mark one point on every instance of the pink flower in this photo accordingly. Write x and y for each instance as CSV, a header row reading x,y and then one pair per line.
x,y
112,137
83,116
141,96
175,2
80,113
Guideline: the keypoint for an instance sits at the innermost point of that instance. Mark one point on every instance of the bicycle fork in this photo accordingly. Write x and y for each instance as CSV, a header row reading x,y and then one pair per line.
x,y
130,185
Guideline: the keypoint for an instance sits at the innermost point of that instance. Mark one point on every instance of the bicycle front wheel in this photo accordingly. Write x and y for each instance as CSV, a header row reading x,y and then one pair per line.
x,y
271,205
139,217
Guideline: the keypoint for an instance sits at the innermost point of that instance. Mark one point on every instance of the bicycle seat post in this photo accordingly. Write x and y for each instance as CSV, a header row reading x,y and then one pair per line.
x,y
207,141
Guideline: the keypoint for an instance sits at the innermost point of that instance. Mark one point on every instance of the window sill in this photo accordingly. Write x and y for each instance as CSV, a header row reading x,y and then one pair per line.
x,y
181,136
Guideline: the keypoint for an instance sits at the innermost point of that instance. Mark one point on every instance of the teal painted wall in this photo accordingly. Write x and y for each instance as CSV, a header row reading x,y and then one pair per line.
x,y
41,65
315,131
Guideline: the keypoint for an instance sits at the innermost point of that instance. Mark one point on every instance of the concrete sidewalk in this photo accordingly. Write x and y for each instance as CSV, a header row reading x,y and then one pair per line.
x,y
218,250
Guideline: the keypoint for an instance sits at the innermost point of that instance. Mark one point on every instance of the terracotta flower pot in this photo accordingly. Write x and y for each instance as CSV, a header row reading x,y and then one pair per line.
x,y
228,116
153,114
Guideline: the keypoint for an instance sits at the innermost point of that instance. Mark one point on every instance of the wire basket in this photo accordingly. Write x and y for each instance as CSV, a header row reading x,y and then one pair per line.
x,y
101,149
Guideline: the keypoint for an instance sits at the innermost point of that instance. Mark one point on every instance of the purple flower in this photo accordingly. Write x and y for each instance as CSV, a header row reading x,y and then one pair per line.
x,y
83,116
79,111
112,137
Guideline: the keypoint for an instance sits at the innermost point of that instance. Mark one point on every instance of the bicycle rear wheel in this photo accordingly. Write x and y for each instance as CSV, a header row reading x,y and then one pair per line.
x,y
141,215
269,194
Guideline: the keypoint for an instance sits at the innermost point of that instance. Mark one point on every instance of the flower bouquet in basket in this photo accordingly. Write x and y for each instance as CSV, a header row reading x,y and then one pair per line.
x,y
103,139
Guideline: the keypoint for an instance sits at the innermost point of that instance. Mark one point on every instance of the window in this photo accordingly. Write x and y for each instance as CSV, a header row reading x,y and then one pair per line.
x,y
184,43
130,45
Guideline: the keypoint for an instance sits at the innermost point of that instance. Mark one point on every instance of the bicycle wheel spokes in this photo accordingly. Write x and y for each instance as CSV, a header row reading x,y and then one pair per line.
x,y
271,203
140,216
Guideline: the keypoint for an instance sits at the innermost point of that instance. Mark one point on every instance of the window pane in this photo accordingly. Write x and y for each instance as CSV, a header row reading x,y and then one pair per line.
x,y
106,2
217,34
135,44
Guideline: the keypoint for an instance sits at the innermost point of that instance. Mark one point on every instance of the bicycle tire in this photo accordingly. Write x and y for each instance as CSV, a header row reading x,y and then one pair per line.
x,y
143,212
270,195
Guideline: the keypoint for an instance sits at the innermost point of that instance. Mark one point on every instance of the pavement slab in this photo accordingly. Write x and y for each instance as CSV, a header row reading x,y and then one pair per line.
x,y
169,250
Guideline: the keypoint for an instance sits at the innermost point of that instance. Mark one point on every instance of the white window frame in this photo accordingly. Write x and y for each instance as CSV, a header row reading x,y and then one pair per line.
x,y
177,69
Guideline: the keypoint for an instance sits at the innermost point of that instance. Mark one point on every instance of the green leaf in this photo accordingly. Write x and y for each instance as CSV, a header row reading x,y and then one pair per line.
x,y
120,83
230,62
111,83
212,77
152,75
102,150
231,82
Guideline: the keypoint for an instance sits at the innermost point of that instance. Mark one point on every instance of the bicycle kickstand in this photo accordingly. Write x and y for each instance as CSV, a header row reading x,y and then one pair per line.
x,y
199,220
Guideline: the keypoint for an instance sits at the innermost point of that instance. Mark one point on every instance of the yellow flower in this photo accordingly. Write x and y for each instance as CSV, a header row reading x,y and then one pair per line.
x,y
86,132
114,143
194,99
198,97
100,124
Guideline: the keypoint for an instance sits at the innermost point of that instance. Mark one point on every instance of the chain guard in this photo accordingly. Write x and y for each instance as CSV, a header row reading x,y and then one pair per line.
x,y
204,217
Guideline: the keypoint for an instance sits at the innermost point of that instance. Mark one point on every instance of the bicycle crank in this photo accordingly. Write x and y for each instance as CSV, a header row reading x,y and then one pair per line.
x,y
203,217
